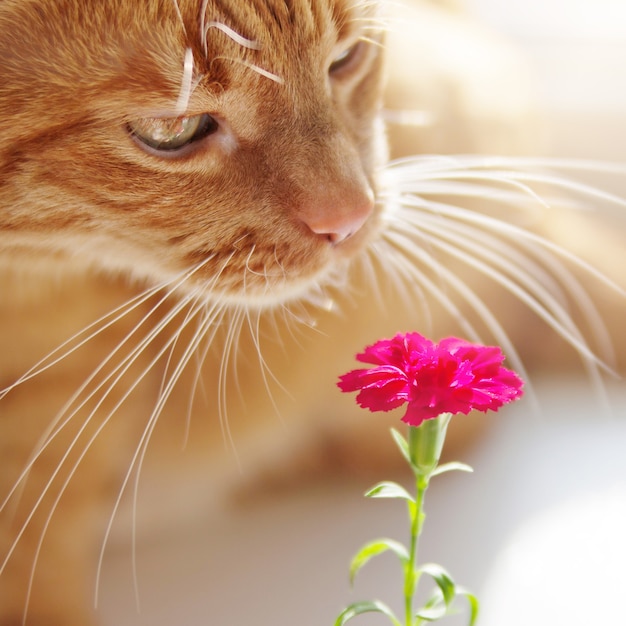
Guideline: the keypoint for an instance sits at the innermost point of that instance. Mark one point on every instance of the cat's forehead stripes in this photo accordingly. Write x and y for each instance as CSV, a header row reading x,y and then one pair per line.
x,y
265,33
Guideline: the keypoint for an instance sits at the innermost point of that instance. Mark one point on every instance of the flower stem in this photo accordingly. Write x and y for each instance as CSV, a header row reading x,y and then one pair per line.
x,y
416,515
425,443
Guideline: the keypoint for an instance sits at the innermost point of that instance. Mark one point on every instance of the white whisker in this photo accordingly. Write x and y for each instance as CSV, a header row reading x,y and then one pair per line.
x,y
72,470
198,381
367,267
409,250
265,370
137,462
407,173
63,350
253,67
264,72
227,353
533,269
531,291
210,315
546,307
402,282
117,374
506,229
64,417
233,34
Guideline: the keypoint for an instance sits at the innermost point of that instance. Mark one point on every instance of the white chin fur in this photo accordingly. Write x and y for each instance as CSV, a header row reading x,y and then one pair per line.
x,y
312,290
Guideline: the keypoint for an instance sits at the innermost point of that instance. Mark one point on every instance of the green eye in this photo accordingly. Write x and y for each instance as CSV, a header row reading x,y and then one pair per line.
x,y
172,133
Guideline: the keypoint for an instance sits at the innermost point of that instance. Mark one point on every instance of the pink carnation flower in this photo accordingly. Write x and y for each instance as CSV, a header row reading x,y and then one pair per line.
x,y
452,376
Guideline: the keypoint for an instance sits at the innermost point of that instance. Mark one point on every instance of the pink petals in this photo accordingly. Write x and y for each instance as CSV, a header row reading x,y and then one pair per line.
x,y
452,376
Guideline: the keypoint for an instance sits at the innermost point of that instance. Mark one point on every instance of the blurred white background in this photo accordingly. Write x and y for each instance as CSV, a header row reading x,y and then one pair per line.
x,y
576,50
536,531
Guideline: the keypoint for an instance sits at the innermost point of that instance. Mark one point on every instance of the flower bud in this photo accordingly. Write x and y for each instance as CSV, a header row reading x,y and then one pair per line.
x,y
426,442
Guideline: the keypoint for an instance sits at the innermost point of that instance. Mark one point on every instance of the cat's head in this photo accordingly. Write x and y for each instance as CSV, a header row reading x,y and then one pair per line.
x,y
233,140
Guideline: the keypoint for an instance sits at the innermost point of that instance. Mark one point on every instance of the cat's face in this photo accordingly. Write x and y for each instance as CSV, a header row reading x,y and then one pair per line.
x,y
237,145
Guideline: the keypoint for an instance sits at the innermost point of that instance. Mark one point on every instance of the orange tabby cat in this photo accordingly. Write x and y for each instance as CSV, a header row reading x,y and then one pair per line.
x,y
188,208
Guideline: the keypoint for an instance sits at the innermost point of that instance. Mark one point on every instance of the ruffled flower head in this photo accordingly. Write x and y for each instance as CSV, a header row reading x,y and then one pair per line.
x,y
452,376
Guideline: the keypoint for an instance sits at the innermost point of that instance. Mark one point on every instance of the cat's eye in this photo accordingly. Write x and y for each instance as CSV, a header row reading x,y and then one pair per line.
x,y
346,59
172,133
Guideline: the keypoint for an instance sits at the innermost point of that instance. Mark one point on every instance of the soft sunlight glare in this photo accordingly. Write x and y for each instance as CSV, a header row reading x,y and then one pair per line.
x,y
562,558
581,19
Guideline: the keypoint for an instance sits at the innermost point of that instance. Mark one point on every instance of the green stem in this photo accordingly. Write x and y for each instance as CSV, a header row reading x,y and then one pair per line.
x,y
416,515
425,443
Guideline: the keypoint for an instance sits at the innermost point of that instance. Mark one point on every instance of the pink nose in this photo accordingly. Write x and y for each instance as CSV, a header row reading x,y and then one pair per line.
x,y
338,215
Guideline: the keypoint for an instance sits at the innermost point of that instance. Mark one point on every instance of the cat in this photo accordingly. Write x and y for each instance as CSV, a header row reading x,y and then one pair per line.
x,y
194,241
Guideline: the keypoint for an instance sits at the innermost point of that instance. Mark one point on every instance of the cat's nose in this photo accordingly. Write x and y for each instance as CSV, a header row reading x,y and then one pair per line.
x,y
340,217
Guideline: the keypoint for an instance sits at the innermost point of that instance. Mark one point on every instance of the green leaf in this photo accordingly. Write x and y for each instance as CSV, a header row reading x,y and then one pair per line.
x,y
443,579
402,443
433,610
449,467
432,614
358,608
473,602
374,548
388,489
436,608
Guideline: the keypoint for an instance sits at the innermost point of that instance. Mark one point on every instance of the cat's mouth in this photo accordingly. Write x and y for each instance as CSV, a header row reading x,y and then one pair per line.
x,y
264,275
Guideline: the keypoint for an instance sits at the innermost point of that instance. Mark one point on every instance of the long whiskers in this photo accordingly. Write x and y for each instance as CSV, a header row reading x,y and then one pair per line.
x,y
496,266
84,336
64,416
103,390
81,456
406,263
411,173
208,321
533,269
